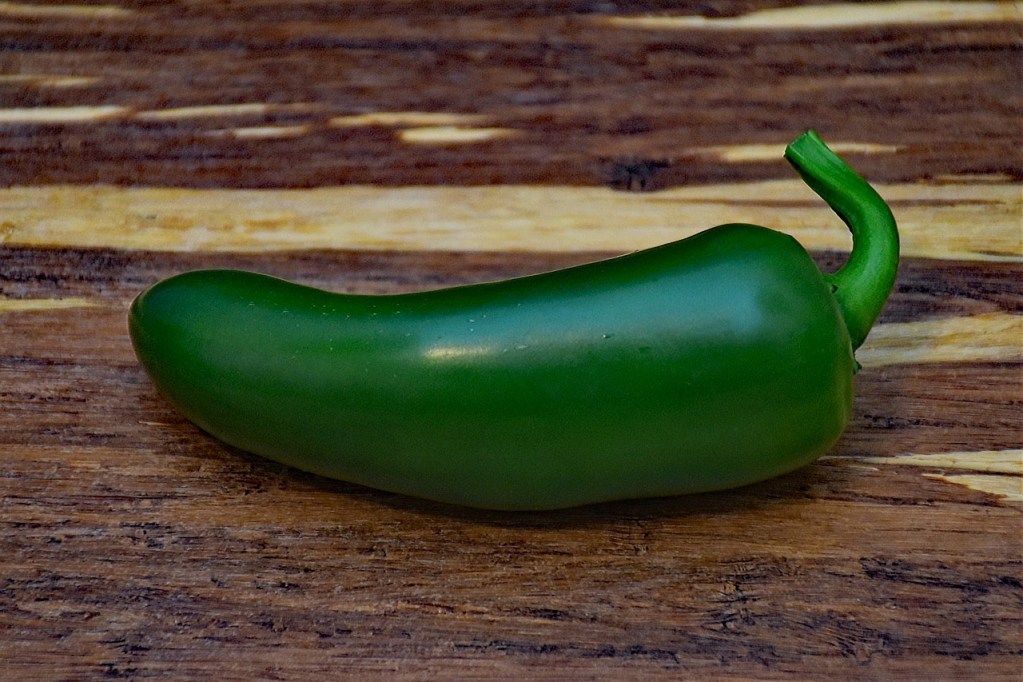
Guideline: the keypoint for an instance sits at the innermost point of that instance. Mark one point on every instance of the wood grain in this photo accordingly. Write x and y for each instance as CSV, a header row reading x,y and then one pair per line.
x,y
971,220
388,146
848,563
596,103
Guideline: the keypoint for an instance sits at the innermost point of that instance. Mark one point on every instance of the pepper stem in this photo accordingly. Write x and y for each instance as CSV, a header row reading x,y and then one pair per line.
x,y
863,284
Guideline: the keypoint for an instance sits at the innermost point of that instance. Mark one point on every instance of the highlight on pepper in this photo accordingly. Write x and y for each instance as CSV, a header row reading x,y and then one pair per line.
x,y
705,364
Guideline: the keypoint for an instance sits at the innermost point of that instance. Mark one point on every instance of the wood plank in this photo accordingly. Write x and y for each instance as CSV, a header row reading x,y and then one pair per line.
x,y
593,102
100,468
925,289
978,221
394,145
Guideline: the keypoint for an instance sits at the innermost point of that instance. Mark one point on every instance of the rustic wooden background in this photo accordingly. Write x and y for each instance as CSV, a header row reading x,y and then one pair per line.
x,y
393,145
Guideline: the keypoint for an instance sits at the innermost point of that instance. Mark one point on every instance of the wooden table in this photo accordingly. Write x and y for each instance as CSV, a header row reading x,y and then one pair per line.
x,y
398,145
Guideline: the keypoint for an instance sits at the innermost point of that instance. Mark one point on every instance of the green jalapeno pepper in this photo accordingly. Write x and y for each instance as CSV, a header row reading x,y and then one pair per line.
x,y
704,364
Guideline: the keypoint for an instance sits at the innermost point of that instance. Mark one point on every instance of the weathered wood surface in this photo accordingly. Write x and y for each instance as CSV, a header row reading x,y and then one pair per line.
x,y
386,146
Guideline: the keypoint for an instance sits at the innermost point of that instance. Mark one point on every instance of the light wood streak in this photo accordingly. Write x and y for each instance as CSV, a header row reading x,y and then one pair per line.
x,y
407,119
60,115
454,135
221,110
63,11
105,112
18,305
262,132
995,472
1009,488
972,222
994,337
843,15
982,461
771,152
41,80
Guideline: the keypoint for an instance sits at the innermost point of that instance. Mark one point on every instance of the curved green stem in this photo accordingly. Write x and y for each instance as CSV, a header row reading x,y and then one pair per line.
x,y
863,284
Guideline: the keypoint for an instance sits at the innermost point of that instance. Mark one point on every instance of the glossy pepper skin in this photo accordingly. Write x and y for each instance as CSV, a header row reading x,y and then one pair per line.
x,y
704,364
